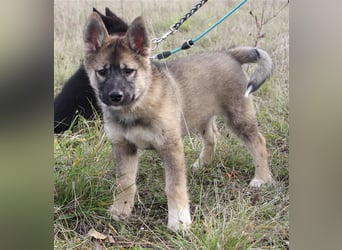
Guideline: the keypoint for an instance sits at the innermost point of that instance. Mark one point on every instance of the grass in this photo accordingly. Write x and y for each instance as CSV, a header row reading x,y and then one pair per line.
x,y
226,213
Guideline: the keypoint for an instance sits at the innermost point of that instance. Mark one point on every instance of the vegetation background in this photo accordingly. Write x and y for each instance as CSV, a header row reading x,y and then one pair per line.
x,y
226,213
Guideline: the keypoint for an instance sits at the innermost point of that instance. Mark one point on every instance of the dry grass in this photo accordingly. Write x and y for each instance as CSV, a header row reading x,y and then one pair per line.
x,y
226,213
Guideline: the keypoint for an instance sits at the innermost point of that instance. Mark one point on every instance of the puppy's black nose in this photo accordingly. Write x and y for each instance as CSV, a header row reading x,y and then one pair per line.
x,y
116,96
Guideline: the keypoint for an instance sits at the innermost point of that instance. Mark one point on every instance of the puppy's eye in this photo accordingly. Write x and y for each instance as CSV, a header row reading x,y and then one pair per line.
x,y
127,71
102,72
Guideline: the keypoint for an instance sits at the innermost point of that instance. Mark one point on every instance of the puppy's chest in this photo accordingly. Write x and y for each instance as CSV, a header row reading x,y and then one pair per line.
x,y
144,136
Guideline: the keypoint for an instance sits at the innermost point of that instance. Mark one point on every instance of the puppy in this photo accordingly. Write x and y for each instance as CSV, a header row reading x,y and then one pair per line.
x,y
150,105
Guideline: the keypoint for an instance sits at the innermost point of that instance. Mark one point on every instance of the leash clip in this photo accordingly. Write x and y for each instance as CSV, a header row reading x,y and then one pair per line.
x,y
172,30
157,41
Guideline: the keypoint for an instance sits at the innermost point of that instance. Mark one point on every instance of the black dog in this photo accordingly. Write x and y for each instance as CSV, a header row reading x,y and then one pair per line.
x,y
77,97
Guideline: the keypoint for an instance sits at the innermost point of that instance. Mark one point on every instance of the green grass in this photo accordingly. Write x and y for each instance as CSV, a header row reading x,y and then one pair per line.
x,y
226,213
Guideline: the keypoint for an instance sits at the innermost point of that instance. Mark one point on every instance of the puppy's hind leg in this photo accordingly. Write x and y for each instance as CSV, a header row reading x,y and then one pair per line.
x,y
242,121
257,146
209,134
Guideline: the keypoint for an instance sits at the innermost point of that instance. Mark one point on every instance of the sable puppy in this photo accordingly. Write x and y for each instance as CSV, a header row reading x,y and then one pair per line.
x,y
146,105
77,96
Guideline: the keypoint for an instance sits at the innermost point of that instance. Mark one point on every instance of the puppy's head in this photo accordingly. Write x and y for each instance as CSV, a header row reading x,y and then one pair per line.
x,y
118,66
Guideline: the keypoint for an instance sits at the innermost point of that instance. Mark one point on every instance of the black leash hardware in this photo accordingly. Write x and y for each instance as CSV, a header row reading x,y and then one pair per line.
x,y
188,44
163,55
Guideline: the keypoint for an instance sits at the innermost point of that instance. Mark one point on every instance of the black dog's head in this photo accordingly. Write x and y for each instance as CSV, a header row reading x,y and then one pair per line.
x,y
112,22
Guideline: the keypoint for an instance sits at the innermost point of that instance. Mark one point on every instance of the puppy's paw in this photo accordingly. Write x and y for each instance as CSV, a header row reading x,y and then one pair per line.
x,y
258,182
179,219
121,209
197,165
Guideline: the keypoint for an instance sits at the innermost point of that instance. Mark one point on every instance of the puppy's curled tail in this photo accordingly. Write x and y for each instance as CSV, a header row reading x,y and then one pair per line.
x,y
254,55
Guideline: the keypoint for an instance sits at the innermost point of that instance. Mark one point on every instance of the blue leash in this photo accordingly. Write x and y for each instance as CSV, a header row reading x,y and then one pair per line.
x,y
188,44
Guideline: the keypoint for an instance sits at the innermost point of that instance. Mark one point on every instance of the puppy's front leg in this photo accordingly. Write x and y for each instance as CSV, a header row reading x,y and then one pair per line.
x,y
176,190
126,155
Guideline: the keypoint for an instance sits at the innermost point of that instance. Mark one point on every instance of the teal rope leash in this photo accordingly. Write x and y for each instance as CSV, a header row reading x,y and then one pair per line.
x,y
188,44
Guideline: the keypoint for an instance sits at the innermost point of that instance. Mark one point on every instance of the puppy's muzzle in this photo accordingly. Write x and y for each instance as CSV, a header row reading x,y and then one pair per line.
x,y
116,97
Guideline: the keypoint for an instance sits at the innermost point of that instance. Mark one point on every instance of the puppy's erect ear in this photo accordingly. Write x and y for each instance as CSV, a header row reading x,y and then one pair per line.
x,y
94,33
138,39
